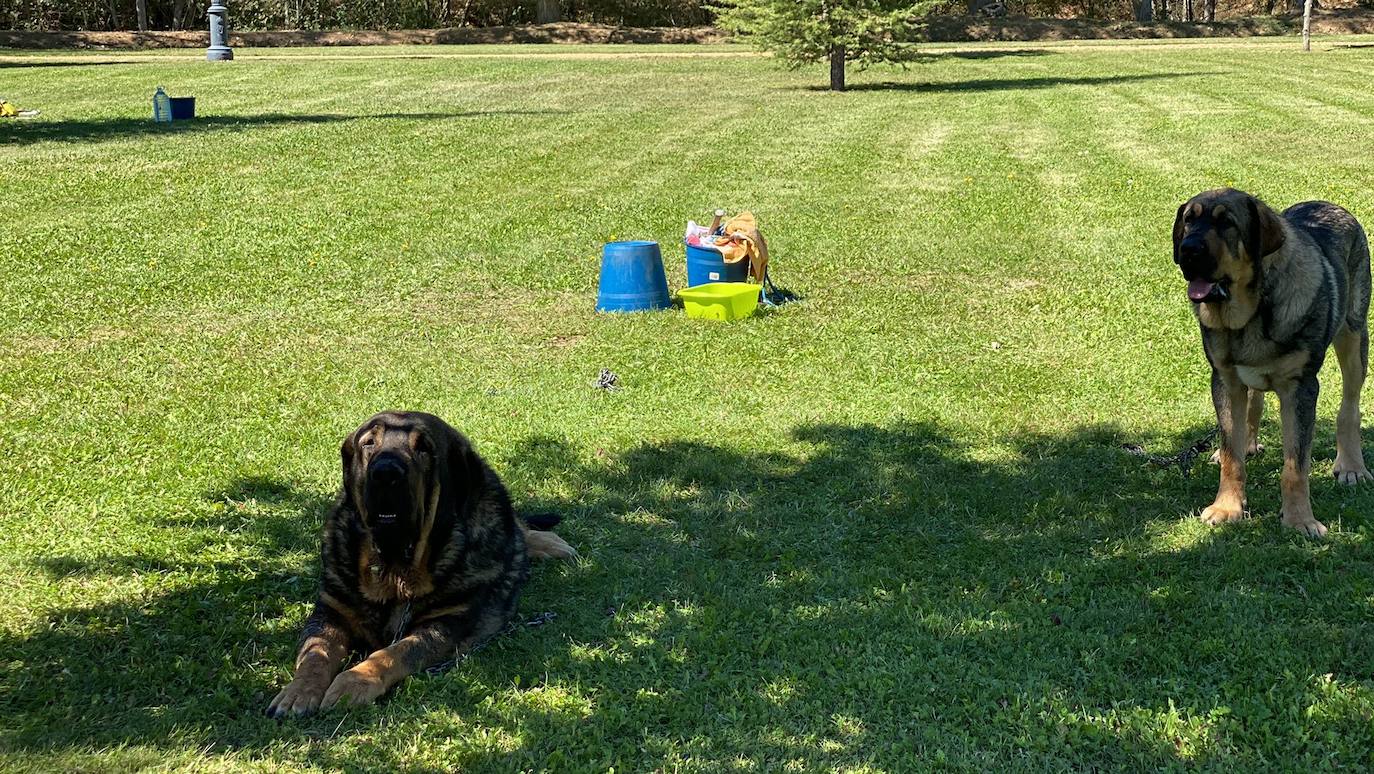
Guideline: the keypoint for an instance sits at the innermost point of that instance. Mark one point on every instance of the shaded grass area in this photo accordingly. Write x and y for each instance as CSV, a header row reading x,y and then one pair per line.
x,y
799,608
889,528
1000,84
114,128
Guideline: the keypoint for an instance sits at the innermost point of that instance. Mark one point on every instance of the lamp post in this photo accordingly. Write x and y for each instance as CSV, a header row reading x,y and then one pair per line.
x,y
219,50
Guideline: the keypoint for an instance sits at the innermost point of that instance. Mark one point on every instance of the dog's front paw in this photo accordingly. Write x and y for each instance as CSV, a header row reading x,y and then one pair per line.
x,y
1304,522
358,685
1351,473
300,697
1220,513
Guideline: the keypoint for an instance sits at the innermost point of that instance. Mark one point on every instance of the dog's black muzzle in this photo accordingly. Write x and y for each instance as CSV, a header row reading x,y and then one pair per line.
x,y
1199,268
388,490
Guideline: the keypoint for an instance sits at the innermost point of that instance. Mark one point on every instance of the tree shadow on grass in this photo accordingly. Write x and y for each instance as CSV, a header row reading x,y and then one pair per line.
x,y
862,595
19,63
96,130
1011,84
995,53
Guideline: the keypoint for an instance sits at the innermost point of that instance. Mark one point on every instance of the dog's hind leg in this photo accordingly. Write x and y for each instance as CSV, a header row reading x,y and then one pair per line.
x,y
1352,350
542,544
1298,404
1254,410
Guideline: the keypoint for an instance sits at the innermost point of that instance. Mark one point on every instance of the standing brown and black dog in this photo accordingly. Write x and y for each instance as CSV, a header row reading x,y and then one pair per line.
x,y
1271,292
423,558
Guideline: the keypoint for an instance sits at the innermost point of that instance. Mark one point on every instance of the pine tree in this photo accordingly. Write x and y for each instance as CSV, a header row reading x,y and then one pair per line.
x,y
802,32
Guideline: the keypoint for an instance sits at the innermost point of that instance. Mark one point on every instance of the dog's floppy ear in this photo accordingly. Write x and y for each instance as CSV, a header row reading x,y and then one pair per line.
x,y
1266,230
1178,228
347,452
466,473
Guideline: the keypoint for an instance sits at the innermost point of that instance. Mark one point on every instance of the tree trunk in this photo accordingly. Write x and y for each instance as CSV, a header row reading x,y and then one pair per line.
x,y
837,67
1209,11
1307,26
547,12
1145,11
141,6
1187,10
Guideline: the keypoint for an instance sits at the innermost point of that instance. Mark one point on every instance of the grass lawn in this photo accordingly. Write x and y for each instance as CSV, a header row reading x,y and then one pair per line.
x,y
885,529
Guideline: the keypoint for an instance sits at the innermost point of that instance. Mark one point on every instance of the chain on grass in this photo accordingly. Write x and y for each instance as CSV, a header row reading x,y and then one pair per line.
x,y
510,628
1183,460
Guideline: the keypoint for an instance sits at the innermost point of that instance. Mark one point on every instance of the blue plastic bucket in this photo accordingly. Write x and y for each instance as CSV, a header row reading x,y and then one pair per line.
x,y
632,278
183,108
706,265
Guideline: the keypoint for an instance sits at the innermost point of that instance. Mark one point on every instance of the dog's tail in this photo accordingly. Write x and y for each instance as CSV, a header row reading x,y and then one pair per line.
x,y
541,521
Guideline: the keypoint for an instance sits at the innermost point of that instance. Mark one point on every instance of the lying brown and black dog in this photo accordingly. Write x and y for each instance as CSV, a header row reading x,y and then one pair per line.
x,y
424,558
1271,292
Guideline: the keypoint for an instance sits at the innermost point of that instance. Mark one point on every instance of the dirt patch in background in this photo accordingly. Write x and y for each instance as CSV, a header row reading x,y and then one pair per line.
x,y
540,33
1346,21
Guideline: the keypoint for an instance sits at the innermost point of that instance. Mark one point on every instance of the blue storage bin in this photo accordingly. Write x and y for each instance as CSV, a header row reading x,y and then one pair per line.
x,y
632,278
183,108
706,265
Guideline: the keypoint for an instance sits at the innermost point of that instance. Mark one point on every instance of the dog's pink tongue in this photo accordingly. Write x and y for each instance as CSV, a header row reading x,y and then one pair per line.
x,y
1199,289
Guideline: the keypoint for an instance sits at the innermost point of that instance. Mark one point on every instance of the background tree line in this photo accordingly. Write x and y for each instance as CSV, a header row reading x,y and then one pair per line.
x,y
424,14
344,14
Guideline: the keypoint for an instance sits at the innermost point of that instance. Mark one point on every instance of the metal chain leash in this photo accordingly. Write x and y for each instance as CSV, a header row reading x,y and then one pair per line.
x,y
510,628
1183,460
606,380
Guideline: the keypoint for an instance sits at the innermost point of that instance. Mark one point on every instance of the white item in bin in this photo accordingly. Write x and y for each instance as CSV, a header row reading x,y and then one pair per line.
x,y
695,232
715,222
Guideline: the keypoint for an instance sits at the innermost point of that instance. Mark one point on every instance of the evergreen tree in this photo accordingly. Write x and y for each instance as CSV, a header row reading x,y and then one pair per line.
x,y
801,32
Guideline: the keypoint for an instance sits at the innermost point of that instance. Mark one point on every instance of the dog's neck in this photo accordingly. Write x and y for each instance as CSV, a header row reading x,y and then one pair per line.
x,y
386,576
395,569
1236,312
1233,314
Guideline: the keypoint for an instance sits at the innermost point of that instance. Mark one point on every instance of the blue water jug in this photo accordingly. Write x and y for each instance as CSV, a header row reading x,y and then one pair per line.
x,y
162,106
632,278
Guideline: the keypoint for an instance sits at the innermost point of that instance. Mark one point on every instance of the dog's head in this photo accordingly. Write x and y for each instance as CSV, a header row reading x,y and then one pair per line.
x,y
1221,238
400,470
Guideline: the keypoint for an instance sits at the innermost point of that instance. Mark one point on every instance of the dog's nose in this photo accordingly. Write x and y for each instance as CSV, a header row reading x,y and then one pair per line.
x,y
1192,249
386,470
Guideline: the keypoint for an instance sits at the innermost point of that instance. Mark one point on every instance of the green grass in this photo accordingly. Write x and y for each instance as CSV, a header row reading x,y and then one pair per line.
x,y
885,529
